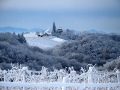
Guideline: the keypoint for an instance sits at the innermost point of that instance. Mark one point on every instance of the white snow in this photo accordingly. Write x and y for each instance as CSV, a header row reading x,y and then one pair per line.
x,y
43,42
48,32
30,34
58,39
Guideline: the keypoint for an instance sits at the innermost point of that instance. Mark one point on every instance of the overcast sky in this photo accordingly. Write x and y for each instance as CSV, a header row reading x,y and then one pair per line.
x,y
103,15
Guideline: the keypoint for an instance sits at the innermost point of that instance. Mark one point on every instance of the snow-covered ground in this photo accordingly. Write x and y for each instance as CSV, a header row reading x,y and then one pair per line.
x,y
30,34
42,42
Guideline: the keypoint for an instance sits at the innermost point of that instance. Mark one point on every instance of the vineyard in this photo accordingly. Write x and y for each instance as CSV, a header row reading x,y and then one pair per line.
x,y
20,78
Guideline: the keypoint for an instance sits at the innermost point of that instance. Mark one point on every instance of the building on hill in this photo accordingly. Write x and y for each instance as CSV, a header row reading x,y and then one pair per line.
x,y
59,30
46,33
40,34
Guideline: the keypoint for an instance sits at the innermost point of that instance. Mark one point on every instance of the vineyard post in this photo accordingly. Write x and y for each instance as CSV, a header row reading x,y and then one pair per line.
x,y
5,78
118,75
90,75
65,80
24,70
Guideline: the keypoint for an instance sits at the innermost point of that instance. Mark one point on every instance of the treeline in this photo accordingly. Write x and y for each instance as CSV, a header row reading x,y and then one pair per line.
x,y
64,34
91,48
85,48
14,49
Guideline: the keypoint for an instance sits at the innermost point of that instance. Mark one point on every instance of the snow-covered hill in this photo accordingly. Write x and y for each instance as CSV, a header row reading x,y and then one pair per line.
x,y
42,42
13,29
95,31
30,34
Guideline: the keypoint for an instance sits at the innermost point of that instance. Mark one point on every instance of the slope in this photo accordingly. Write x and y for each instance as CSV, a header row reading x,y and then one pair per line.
x,y
42,42
91,48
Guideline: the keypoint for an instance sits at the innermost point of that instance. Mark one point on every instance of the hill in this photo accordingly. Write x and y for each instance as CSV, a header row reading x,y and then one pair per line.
x,y
14,49
42,42
86,48
95,31
18,30
91,48
12,29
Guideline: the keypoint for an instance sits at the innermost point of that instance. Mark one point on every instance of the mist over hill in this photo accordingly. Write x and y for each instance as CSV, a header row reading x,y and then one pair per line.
x,y
95,31
12,29
19,30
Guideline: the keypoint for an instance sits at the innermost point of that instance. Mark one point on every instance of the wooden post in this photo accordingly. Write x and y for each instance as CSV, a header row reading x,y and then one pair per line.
x,y
90,75
4,75
24,76
24,70
118,75
65,80
5,78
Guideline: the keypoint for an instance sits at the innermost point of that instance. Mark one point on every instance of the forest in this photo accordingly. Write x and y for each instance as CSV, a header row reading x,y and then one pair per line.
x,y
79,50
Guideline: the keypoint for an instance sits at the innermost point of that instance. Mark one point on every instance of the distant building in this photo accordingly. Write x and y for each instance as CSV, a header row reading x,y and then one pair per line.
x,y
46,33
40,34
59,30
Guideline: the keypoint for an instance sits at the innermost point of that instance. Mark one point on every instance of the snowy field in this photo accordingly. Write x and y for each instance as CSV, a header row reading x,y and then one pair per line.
x,y
43,42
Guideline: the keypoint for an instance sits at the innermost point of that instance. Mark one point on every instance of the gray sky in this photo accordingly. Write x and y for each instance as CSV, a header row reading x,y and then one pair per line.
x,y
79,15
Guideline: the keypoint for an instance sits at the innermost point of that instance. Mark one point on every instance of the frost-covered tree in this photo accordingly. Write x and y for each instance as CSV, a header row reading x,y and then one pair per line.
x,y
68,35
90,48
85,48
112,64
21,38
54,32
